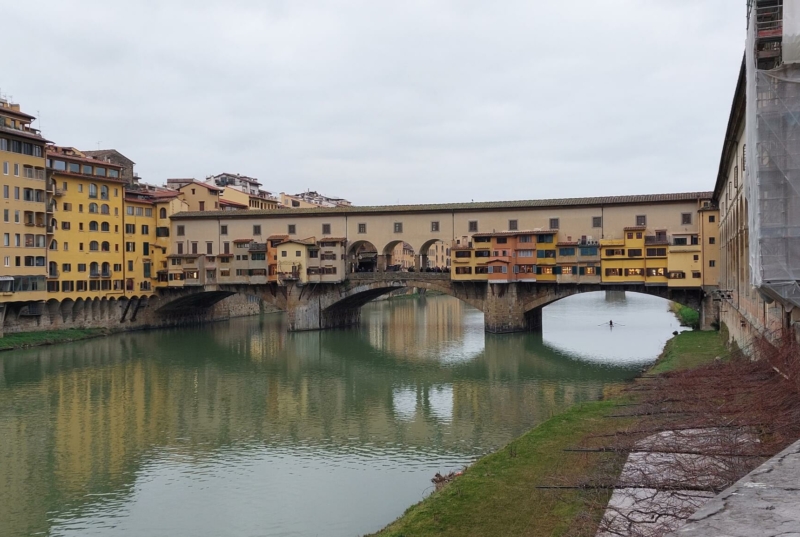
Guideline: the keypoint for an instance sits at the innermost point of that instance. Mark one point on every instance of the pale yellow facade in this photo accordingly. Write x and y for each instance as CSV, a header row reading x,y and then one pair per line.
x,y
86,254
201,196
25,215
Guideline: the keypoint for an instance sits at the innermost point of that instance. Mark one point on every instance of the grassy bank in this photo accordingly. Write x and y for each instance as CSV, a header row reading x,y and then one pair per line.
x,y
48,337
686,316
498,495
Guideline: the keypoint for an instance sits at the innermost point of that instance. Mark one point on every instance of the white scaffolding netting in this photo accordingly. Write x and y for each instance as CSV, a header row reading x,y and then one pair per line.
x,y
772,174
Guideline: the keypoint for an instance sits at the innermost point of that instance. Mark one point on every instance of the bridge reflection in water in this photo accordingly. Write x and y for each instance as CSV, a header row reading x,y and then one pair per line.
x,y
241,427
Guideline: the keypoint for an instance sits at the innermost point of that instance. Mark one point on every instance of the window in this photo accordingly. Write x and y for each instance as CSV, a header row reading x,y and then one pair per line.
x,y
398,227
291,229
93,226
679,241
129,210
589,250
686,219
554,223
92,207
641,220
513,225
473,226
546,254
696,257
194,247
130,266
147,212
66,267
6,192
656,252
80,246
209,248
362,228
117,267
94,246
695,274
326,229
545,239
100,171
460,254
139,211
16,192
297,253
712,263
634,252
162,213
145,230
223,230
566,251
463,270
92,190
315,254
712,240
257,230
736,177
130,229
104,192
502,240
130,246
525,238
105,246
180,248
181,231
711,218
283,253
613,272
597,221
634,272
610,252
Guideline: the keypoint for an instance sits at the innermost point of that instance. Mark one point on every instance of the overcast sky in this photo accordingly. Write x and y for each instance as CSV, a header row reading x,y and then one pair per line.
x,y
384,102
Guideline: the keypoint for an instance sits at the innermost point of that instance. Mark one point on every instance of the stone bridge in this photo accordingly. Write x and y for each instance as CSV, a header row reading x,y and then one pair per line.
x,y
507,307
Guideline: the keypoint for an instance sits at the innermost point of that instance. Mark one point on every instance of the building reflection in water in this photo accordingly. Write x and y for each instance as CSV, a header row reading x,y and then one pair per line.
x,y
78,421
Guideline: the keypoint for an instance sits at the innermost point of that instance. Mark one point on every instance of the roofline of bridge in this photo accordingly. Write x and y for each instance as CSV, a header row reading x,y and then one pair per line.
x,y
605,201
736,119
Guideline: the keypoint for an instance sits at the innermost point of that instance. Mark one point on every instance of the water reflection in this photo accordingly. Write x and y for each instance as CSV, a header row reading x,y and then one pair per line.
x,y
240,428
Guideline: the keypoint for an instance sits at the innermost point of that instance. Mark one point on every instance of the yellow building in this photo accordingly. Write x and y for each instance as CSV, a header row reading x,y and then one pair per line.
x,y
622,260
140,224
293,260
200,196
86,253
546,250
23,251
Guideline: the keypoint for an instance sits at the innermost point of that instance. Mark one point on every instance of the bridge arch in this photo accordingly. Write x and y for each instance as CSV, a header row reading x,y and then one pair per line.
x,y
362,256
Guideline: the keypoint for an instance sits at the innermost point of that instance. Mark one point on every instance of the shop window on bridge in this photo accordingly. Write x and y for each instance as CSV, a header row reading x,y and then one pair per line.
x,y
482,239
656,252
656,272
52,287
328,256
524,253
545,239
546,254
502,240
525,238
611,252
566,251
80,285
634,252
695,274
634,272
466,253
524,269
680,241
328,270
67,286
463,270
587,271
546,270
258,256
677,275
478,270
589,251
312,271
613,272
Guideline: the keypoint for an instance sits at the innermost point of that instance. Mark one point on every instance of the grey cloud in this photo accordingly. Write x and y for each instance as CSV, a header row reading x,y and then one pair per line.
x,y
383,102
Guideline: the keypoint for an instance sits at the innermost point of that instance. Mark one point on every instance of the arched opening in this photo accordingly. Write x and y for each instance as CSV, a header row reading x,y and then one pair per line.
x,y
435,256
52,269
400,256
53,223
362,256
94,271
162,213
104,192
54,244
93,208
92,190
105,247
104,209
93,226
93,246
104,226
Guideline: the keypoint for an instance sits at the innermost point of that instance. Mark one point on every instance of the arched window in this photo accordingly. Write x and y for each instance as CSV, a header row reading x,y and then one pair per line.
x,y
93,226
162,213
106,268
105,247
54,244
92,190
104,192
104,209
93,269
93,246
53,223
93,208
104,226
53,269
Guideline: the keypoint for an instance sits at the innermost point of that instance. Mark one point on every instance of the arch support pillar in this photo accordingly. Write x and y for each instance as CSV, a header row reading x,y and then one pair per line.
x,y
709,313
504,310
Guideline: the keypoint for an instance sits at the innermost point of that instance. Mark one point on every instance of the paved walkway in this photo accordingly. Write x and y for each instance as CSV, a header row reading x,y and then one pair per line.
x,y
764,503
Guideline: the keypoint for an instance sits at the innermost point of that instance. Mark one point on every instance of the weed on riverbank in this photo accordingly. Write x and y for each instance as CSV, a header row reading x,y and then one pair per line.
x,y
48,337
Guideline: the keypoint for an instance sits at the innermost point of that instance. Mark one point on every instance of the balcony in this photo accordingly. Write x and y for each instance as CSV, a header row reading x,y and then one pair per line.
x,y
105,274
94,274
53,273
58,192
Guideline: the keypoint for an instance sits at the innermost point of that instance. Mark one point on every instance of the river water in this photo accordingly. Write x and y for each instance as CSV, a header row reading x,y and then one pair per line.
x,y
240,428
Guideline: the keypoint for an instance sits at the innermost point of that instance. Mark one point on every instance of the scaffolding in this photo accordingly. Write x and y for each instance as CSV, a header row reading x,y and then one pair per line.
x,y
772,171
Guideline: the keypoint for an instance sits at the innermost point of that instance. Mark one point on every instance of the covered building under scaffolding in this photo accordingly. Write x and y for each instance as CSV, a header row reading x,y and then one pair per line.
x,y
758,183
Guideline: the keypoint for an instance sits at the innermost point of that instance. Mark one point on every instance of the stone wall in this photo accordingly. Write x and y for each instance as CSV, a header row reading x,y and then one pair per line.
x,y
124,314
